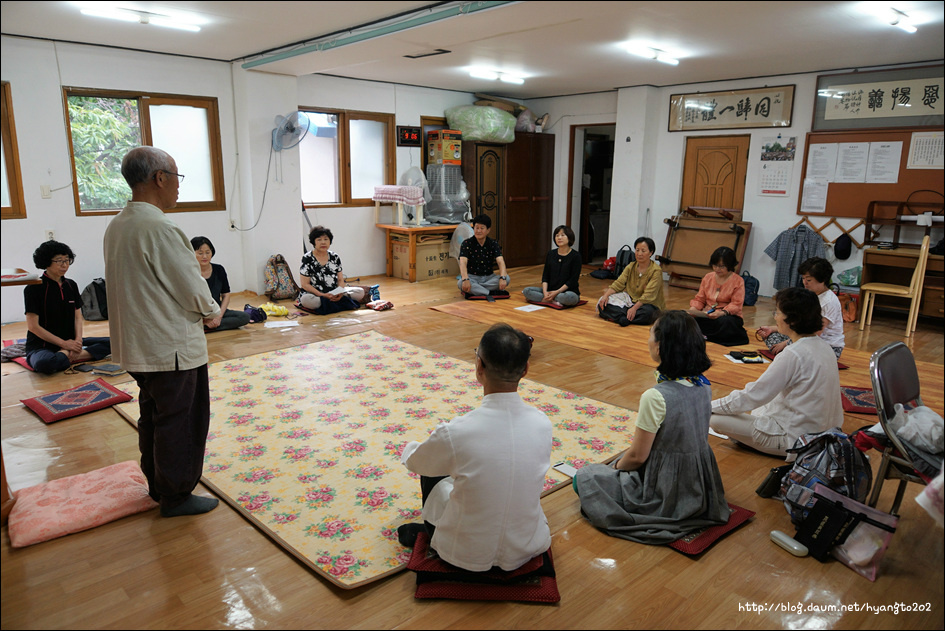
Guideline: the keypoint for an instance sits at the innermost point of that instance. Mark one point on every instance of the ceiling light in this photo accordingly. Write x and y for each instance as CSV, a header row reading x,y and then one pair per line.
x,y
649,52
666,59
491,74
901,20
507,78
180,21
113,14
482,73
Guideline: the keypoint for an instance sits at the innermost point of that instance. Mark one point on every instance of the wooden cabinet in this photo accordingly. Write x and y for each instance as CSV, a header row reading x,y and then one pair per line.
x,y
513,184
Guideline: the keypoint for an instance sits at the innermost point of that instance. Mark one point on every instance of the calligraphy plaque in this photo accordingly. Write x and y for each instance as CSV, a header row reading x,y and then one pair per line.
x,y
732,109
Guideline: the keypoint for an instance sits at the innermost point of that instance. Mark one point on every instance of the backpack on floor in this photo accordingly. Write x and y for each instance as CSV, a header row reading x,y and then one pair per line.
x,y
831,459
280,284
624,258
95,301
752,285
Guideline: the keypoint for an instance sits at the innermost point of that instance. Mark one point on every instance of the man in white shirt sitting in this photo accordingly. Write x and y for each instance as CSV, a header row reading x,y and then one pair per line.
x,y
482,473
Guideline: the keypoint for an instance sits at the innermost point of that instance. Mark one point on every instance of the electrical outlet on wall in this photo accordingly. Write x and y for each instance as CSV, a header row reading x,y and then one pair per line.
x,y
50,235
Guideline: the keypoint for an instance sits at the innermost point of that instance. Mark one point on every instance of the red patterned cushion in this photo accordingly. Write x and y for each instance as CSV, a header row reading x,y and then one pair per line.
x,y
88,397
699,541
858,400
533,582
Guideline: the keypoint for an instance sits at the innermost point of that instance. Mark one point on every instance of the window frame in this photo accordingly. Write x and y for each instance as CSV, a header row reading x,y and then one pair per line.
x,y
344,153
145,101
11,154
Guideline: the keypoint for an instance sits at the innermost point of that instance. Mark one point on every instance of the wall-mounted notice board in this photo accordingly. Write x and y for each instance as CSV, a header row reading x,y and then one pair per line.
x,y
844,155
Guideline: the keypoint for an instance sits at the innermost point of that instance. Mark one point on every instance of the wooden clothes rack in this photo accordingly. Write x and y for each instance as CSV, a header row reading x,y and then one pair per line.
x,y
833,222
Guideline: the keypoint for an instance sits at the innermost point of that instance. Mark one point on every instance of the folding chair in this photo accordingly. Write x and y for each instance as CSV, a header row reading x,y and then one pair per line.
x,y
895,380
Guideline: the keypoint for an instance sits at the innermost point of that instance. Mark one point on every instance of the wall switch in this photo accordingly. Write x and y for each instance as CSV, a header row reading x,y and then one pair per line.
x,y
46,191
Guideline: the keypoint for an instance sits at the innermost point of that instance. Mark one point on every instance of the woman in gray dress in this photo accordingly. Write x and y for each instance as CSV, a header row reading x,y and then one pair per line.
x,y
667,484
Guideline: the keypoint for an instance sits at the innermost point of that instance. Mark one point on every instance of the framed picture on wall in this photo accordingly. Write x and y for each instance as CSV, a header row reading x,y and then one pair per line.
x,y
907,97
732,109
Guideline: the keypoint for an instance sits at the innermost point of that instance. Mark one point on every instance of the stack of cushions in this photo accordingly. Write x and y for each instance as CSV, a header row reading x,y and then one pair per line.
x,y
533,582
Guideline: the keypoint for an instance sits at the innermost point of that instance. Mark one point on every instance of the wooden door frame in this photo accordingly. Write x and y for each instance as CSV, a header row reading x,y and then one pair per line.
x,y
567,217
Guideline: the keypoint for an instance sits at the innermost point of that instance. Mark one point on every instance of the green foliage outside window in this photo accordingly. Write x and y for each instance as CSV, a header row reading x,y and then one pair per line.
x,y
103,131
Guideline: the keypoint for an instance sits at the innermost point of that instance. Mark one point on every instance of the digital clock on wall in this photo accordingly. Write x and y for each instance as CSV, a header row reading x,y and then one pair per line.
x,y
409,136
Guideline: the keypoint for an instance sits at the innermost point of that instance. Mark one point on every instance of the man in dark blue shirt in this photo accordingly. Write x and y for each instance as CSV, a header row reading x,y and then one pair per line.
x,y
478,255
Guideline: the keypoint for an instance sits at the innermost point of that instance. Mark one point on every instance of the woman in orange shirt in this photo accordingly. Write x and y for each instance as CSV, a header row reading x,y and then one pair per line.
x,y
718,305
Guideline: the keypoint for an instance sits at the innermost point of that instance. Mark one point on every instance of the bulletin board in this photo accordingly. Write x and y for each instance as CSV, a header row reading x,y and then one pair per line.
x,y
853,199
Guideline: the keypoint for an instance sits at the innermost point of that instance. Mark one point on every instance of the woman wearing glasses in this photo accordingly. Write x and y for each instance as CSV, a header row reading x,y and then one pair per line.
x,y
53,315
799,393
717,307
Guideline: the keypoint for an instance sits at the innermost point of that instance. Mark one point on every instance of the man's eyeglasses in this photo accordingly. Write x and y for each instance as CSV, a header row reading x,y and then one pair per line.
x,y
180,178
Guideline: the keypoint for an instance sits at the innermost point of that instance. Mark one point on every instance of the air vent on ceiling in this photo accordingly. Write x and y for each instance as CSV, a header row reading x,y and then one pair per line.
x,y
428,53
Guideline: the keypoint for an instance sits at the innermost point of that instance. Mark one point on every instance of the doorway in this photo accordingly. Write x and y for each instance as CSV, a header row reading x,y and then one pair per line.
x,y
592,168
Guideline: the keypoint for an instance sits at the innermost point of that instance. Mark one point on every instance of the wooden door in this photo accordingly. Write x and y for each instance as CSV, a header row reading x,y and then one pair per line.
x,y
489,192
529,188
714,171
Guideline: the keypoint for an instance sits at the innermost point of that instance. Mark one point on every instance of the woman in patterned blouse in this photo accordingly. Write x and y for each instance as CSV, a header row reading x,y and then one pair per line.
x,y
323,286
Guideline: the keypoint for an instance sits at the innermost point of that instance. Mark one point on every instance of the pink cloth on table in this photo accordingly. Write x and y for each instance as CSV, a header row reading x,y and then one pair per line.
x,y
61,507
410,195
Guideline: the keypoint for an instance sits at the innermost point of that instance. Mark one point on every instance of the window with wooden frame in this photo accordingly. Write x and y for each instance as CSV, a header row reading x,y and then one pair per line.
x,y
13,205
345,155
103,125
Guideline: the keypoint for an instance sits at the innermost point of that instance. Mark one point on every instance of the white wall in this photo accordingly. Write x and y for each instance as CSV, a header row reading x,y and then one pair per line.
x,y
647,168
36,71
361,246
563,114
648,165
269,217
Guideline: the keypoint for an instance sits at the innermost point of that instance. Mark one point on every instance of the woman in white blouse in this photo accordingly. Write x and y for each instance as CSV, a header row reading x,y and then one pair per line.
x,y
799,393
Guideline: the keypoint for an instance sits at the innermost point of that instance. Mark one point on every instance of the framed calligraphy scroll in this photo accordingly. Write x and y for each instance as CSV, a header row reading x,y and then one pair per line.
x,y
732,109
906,97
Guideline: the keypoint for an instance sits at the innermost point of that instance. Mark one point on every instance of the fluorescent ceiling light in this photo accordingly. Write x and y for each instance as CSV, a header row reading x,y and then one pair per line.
x,y
491,74
507,78
650,52
115,11
666,59
113,14
482,73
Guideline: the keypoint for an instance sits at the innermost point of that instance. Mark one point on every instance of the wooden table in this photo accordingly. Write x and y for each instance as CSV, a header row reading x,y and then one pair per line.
x,y
896,267
412,233
16,280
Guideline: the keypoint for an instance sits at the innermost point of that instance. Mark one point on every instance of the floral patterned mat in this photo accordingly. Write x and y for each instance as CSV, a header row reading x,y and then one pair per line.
x,y
305,442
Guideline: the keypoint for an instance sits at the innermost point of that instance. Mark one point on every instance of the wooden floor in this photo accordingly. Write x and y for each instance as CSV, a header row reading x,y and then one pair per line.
x,y
217,571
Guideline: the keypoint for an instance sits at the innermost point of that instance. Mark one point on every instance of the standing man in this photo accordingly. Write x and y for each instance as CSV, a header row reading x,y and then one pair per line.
x,y
158,305
477,256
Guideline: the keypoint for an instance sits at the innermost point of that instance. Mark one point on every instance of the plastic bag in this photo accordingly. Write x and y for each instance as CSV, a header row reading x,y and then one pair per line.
x,y
866,544
851,277
525,121
482,123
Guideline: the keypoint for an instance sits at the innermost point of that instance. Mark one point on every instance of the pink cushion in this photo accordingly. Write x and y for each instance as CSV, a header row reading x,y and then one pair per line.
x,y
61,507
